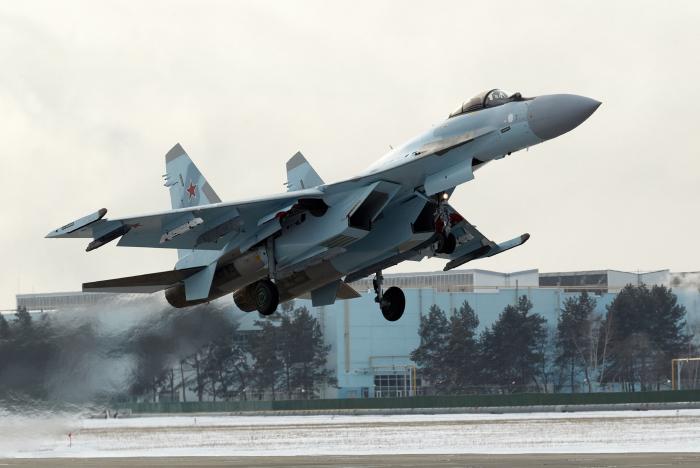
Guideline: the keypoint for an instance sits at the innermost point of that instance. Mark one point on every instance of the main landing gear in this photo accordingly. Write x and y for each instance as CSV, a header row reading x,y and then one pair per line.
x,y
267,297
392,302
262,296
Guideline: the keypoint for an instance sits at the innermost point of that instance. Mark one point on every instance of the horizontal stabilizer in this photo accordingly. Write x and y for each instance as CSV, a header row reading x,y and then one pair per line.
x,y
147,283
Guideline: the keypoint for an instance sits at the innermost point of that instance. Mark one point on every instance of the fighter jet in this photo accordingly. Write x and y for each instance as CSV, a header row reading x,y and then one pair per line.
x,y
316,238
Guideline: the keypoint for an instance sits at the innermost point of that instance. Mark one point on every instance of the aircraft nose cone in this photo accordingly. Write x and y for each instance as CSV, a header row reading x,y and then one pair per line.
x,y
555,114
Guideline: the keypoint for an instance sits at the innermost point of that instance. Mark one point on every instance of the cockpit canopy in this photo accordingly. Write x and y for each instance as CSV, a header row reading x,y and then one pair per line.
x,y
491,98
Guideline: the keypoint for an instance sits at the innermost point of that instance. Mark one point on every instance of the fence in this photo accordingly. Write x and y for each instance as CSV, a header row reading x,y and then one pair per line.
x,y
466,401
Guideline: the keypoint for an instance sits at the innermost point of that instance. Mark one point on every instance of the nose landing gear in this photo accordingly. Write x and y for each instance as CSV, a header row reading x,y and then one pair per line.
x,y
392,302
446,243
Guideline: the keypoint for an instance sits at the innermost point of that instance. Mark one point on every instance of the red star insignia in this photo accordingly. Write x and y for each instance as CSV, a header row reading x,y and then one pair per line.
x,y
192,190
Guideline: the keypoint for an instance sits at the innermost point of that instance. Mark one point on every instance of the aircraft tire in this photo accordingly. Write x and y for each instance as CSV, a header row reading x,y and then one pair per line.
x,y
244,300
446,243
393,304
451,244
266,297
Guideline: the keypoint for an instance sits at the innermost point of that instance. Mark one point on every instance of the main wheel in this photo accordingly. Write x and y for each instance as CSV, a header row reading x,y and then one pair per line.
x,y
267,297
245,299
393,304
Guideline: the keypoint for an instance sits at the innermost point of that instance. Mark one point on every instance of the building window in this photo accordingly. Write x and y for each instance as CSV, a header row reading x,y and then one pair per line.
x,y
393,385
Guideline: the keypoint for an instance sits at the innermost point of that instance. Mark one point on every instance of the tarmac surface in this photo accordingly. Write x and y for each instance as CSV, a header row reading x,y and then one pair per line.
x,y
586,439
380,461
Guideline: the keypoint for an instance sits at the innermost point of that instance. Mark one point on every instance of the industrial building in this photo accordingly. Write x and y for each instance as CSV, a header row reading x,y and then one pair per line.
x,y
370,356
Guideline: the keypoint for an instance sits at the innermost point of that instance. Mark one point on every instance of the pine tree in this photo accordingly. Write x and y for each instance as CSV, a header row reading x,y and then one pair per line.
x,y
461,357
668,322
291,354
226,366
5,349
430,355
24,320
267,366
574,339
4,328
512,347
645,329
308,353
199,382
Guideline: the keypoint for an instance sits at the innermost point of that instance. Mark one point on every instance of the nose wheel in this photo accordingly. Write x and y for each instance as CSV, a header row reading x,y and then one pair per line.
x,y
392,302
446,243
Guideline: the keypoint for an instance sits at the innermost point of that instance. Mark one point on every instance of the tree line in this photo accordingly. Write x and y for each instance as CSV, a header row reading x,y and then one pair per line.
x,y
284,358
628,348
199,353
196,353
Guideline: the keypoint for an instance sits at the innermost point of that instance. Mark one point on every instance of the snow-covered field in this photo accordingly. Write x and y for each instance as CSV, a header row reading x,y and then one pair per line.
x,y
586,432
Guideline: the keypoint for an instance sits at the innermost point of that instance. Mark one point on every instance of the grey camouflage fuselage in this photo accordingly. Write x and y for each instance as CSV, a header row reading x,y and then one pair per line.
x,y
315,238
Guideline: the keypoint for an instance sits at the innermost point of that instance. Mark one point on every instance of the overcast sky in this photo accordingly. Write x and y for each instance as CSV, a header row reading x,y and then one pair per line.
x,y
93,94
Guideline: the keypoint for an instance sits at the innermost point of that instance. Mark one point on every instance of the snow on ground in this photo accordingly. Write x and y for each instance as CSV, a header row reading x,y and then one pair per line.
x,y
585,432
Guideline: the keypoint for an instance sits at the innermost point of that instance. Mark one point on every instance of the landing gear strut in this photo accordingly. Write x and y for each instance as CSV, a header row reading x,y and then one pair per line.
x,y
392,302
446,242
266,296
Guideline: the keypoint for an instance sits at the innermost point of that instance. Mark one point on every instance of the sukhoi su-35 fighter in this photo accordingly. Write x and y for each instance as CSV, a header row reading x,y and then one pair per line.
x,y
316,238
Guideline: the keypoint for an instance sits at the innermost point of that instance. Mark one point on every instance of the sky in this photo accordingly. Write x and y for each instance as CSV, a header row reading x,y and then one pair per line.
x,y
93,94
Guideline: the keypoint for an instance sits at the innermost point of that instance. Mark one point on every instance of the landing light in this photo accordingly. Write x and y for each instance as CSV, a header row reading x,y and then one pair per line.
x,y
445,196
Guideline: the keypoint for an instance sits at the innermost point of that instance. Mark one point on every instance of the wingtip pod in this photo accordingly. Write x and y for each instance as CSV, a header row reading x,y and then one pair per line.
x,y
78,224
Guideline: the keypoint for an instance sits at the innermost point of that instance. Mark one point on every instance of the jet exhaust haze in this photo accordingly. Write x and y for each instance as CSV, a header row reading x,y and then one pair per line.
x,y
83,356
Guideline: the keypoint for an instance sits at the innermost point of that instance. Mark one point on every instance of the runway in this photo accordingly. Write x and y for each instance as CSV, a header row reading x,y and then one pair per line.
x,y
382,461
403,440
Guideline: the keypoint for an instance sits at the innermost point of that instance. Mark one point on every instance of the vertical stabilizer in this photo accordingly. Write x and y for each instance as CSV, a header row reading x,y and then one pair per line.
x,y
187,185
300,174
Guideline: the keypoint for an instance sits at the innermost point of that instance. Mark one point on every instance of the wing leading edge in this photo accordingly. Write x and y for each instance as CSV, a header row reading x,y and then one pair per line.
x,y
207,227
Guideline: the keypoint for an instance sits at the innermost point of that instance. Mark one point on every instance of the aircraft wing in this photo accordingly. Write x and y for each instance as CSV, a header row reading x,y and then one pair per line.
x,y
472,244
206,227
